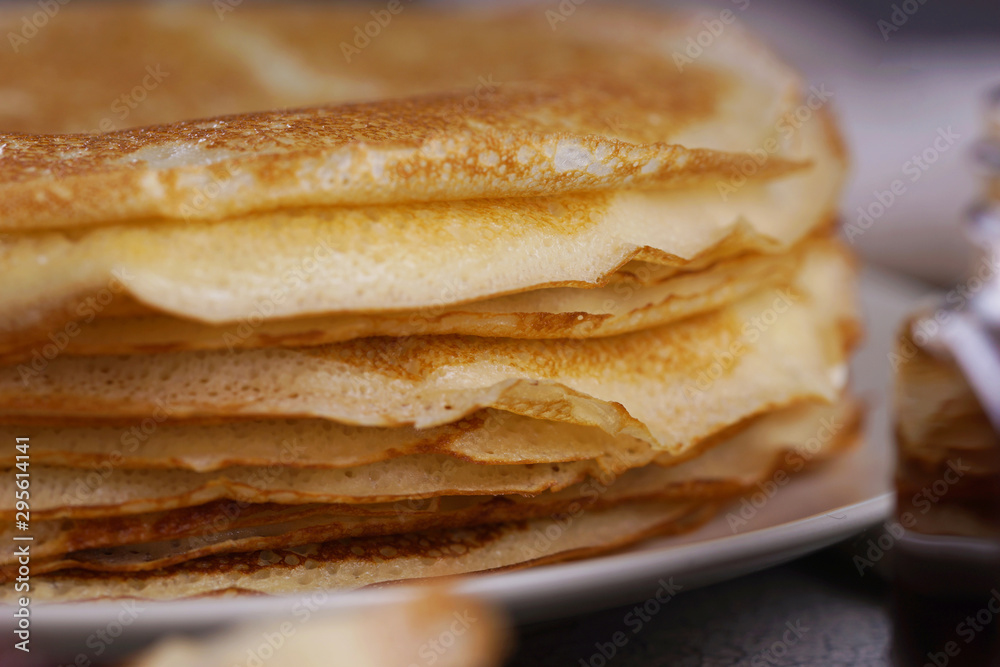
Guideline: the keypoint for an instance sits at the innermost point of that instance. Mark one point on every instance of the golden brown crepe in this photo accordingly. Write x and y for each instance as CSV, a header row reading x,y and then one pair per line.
x,y
948,470
671,386
599,104
109,490
786,440
353,563
639,296
307,261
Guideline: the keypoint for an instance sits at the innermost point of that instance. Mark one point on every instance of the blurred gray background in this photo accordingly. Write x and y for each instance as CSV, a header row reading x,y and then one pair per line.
x,y
902,74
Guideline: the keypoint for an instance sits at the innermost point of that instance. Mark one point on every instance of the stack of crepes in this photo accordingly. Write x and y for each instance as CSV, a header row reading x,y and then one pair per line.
x,y
948,451
948,470
514,293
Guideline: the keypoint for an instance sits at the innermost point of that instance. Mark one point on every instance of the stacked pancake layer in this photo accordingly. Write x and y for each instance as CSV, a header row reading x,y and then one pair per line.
x,y
948,472
405,336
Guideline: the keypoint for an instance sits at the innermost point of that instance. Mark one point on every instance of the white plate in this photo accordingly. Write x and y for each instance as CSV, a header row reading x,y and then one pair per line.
x,y
812,511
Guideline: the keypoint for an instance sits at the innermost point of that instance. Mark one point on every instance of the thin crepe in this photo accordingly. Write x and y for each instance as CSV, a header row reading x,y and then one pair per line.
x,y
942,432
484,437
355,563
787,440
599,104
640,296
938,416
67,493
670,386
296,262
59,536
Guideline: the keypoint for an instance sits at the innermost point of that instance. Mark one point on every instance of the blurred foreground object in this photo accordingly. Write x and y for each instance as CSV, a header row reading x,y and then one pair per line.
x,y
434,629
947,562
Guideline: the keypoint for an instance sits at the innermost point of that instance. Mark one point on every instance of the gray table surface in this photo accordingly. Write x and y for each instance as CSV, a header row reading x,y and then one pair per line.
x,y
840,618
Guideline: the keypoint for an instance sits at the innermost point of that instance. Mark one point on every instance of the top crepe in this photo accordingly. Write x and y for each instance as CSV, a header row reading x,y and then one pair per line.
x,y
296,262
600,103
